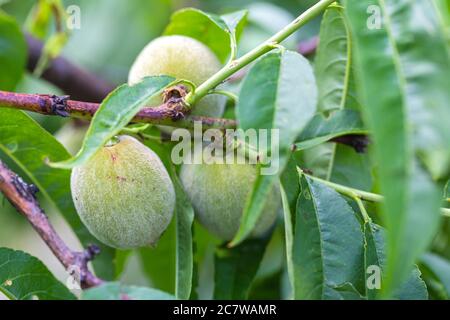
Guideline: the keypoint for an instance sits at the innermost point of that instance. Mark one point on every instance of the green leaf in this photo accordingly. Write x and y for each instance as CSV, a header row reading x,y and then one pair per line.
x,y
267,288
13,52
235,21
290,182
254,206
321,129
351,169
334,73
289,221
170,265
440,269
327,248
412,289
235,268
159,263
429,91
402,70
38,23
184,216
289,190
116,291
204,249
317,159
55,44
23,277
28,145
278,93
443,10
114,113
333,61
217,32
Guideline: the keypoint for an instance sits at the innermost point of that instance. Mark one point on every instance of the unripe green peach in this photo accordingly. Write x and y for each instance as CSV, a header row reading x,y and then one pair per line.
x,y
183,58
218,193
124,194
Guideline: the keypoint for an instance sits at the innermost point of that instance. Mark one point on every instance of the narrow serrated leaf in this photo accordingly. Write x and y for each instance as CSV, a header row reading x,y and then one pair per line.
x,y
334,72
184,216
402,70
321,129
170,266
23,277
333,61
217,32
327,249
440,268
278,93
235,21
412,289
235,268
13,52
117,291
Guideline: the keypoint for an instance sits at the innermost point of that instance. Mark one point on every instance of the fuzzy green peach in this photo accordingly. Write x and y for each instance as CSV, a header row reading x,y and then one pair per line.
x,y
124,194
183,58
218,193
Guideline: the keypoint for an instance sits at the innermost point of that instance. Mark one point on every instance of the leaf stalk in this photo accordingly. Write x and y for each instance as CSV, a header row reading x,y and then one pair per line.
x,y
355,193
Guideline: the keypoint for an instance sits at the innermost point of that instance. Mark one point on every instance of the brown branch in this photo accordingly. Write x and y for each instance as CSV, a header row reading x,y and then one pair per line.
x,y
71,79
167,114
22,196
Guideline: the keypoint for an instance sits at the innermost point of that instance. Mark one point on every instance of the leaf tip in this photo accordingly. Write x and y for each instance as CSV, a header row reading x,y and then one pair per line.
x,y
238,238
67,164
